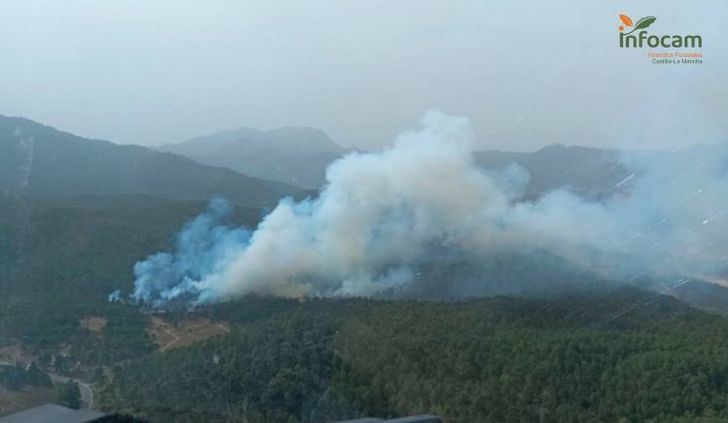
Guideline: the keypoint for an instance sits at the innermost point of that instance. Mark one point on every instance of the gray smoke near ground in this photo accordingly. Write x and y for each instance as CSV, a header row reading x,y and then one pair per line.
x,y
385,216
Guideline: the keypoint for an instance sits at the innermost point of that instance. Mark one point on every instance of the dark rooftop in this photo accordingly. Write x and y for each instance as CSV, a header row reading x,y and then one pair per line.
x,y
410,419
52,413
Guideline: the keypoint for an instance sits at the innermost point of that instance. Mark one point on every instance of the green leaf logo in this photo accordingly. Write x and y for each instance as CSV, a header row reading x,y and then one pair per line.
x,y
643,23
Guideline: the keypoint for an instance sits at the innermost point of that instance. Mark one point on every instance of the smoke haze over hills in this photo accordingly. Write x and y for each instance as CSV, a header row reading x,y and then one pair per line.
x,y
384,215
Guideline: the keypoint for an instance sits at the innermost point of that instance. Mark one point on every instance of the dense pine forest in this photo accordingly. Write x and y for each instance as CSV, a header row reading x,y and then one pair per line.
x,y
598,355
624,355
60,258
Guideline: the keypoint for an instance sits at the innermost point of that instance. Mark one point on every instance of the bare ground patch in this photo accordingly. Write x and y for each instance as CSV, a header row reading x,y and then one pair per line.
x,y
94,324
169,335
12,401
16,354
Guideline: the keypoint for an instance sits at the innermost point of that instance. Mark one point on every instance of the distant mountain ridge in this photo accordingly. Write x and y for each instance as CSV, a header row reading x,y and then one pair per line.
x,y
292,155
299,156
39,160
251,167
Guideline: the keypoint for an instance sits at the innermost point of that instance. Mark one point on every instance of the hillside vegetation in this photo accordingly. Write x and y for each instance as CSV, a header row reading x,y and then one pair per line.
x,y
623,355
59,260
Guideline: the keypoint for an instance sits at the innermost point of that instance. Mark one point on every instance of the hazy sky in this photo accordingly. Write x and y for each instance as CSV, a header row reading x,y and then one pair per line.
x,y
527,73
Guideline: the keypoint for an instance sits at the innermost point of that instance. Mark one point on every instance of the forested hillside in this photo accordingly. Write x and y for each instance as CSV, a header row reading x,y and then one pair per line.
x,y
624,355
59,260
580,355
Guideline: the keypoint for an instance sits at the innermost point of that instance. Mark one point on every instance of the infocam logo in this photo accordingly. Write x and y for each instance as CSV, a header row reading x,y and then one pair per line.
x,y
627,38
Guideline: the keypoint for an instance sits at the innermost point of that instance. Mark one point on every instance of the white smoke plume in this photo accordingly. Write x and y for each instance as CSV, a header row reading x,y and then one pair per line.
x,y
383,216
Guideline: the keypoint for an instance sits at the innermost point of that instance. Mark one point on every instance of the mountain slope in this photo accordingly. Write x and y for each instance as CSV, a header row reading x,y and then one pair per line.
x,y
60,258
588,172
39,160
297,156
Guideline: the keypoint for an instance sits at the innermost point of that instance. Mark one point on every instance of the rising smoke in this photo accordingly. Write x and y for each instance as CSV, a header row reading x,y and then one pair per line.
x,y
385,216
